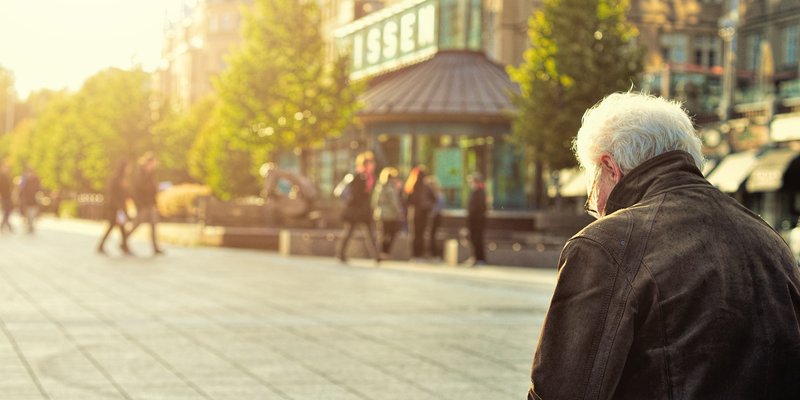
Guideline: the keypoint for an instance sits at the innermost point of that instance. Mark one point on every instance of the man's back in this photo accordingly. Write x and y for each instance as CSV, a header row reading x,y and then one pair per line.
x,y
687,296
728,298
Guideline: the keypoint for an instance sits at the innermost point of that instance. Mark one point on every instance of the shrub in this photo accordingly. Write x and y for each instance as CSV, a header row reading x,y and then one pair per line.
x,y
180,201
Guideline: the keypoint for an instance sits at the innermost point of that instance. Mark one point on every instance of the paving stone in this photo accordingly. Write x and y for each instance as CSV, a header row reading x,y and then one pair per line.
x,y
212,323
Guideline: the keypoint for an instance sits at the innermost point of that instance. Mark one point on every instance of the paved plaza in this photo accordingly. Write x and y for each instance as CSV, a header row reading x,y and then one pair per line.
x,y
212,323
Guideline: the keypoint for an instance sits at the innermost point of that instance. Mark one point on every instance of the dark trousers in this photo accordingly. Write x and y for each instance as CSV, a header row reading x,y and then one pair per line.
x,y
476,229
147,214
114,223
420,225
436,221
6,224
348,233
388,232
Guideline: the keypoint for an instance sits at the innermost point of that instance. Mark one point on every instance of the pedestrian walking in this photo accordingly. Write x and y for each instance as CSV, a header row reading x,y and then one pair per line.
x,y
144,190
388,207
420,200
356,192
115,211
29,189
435,216
676,291
6,199
476,218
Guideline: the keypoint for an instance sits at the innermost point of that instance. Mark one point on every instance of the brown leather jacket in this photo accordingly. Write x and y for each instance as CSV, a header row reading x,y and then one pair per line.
x,y
678,293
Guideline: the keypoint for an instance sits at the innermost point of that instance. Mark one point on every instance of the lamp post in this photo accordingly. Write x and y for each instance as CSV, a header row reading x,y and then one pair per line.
x,y
727,31
728,34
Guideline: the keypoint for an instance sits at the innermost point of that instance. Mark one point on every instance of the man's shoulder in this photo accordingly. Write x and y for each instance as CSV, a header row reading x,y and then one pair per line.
x,y
606,228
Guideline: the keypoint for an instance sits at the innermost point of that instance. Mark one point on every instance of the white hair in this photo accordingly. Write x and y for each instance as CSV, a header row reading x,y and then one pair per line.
x,y
632,128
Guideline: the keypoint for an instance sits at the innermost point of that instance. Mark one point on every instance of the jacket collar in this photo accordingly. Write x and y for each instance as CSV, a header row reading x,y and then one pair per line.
x,y
653,177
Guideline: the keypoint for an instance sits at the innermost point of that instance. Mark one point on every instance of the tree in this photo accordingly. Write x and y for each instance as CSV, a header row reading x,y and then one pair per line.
x,y
7,100
224,163
279,93
177,132
73,140
580,51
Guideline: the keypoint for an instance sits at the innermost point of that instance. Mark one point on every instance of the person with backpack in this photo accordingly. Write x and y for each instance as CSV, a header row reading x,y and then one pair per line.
x,y
356,190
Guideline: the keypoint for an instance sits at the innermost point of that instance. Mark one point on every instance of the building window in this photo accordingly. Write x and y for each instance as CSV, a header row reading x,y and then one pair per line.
x,y
213,23
460,24
789,53
706,48
674,47
226,22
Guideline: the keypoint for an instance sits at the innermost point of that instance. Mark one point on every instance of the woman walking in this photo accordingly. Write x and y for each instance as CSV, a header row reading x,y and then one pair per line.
x,y
420,201
356,191
388,208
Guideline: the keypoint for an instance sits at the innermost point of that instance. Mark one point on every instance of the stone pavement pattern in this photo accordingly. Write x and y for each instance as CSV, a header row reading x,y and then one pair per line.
x,y
210,323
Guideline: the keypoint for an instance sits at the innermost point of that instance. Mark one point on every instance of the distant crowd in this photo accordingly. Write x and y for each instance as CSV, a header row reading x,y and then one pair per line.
x,y
370,200
393,205
136,182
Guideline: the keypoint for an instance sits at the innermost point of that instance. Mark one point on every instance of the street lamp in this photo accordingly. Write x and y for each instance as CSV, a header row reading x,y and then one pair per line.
x,y
727,32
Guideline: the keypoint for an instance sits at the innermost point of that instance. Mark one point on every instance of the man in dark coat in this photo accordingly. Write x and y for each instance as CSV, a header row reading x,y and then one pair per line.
x,y
676,291
356,191
144,191
476,218
115,210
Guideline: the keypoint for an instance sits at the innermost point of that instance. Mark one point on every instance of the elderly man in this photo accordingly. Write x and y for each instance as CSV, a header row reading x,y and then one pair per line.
x,y
676,291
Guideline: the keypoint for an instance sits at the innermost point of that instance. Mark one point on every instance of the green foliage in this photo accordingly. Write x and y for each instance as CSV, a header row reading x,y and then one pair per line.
x,y
181,201
581,51
175,134
68,208
223,163
278,94
6,96
72,140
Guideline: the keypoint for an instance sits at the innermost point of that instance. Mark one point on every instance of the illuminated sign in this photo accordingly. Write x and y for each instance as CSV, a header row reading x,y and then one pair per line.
x,y
394,36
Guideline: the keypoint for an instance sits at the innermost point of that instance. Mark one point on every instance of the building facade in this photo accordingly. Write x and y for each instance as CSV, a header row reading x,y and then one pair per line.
x,y
198,35
438,94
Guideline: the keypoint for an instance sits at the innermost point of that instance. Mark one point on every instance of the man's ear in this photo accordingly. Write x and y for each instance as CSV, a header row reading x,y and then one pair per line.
x,y
611,167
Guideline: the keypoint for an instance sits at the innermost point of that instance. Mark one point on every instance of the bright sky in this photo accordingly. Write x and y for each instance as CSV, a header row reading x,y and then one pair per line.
x,y
59,43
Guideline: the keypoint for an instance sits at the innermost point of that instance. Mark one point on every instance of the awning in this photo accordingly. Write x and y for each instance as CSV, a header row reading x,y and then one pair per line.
x,y
785,127
768,173
732,171
576,187
452,86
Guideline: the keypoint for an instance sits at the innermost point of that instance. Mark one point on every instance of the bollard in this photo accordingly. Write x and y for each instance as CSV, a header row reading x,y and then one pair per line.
x,y
284,243
451,252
